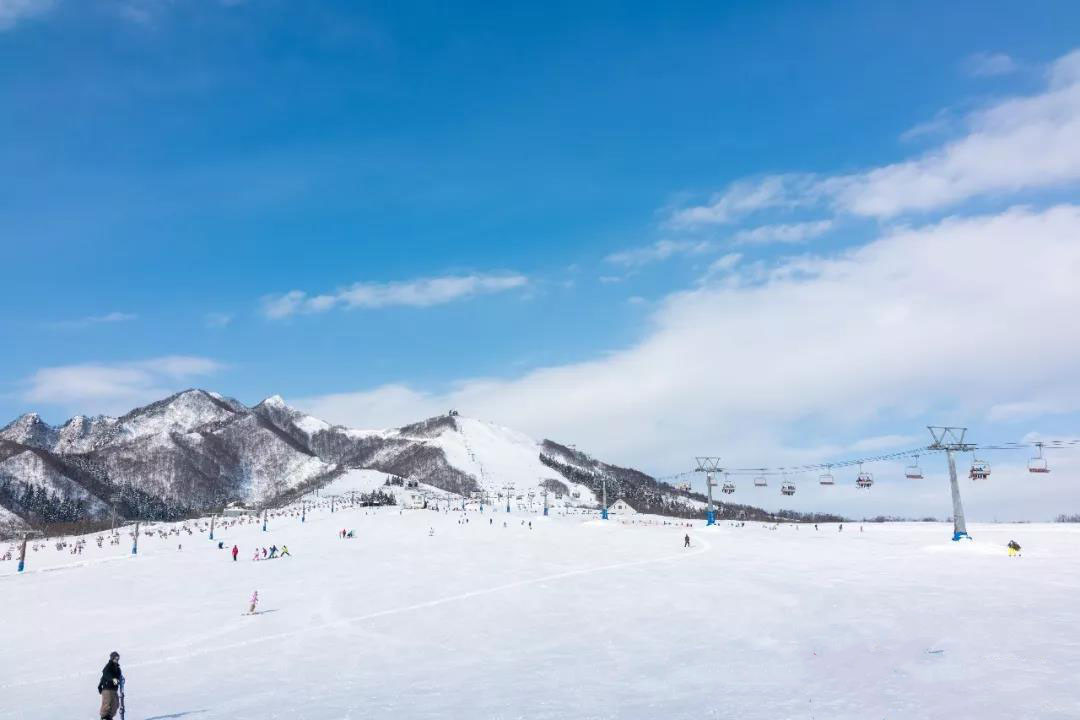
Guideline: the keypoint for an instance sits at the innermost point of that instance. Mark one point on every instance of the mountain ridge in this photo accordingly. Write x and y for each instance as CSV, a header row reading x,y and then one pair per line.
x,y
196,450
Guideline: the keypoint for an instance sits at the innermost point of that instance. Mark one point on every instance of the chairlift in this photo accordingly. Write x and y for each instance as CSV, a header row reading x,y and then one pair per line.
x,y
1038,464
827,477
760,481
980,469
913,472
787,488
728,487
864,479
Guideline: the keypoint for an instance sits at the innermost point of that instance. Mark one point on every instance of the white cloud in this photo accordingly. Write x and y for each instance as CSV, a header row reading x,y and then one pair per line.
x,y
218,319
114,387
745,197
931,319
988,64
1018,144
783,233
420,293
659,250
12,11
106,319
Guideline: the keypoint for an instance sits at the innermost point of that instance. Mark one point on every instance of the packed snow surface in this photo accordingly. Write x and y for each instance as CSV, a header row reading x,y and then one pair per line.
x,y
573,618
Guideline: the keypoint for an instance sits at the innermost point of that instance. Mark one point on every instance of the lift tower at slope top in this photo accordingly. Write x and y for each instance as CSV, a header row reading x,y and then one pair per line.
x,y
710,466
951,439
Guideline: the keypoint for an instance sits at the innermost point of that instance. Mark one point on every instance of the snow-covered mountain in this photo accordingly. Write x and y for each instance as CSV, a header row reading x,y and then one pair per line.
x,y
197,450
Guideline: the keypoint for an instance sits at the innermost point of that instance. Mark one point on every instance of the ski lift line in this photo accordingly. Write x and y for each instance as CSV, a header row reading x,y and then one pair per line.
x,y
756,472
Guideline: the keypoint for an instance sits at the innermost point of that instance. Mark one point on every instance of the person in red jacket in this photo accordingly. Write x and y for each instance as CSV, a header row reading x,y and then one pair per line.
x,y
235,552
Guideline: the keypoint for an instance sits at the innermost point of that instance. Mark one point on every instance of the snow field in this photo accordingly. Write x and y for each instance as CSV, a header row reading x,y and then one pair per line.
x,y
573,619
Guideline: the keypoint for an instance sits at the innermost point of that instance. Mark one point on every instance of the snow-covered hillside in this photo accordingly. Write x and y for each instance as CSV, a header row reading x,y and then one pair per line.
x,y
425,616
199,450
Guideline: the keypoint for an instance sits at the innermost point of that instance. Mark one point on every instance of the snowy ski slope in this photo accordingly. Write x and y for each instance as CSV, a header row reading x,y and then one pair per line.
x,y
574,618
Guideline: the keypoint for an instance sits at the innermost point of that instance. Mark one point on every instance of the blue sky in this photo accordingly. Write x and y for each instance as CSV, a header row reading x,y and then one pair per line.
x,y
379,210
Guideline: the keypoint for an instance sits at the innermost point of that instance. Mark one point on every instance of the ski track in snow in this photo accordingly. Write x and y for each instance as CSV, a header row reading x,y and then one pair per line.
x,y
704,547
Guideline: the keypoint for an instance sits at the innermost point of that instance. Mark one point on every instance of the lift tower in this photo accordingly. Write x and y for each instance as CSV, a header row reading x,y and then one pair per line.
x,y
951,439
710,466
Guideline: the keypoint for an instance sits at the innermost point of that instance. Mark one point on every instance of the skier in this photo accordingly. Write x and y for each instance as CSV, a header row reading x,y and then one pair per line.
x,y
841,528
109,687
285,551
254,602
686,541
1014,548
256,557
264,553
235,552
431,532
273,551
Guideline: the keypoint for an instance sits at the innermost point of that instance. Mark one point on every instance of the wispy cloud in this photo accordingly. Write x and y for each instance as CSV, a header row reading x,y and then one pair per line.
x,y
988,64
12,11
217,319
114,387
92,320
783,233
660,250
420,293
1020,143
744,197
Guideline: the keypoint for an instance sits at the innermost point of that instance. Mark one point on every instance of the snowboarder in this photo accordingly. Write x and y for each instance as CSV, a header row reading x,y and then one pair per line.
x,y
686,541
221,545
109,687
235,552
1014,548
254,602
285,551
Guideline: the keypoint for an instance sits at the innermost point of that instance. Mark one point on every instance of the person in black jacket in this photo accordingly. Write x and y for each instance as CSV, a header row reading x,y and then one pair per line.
x,y
112,680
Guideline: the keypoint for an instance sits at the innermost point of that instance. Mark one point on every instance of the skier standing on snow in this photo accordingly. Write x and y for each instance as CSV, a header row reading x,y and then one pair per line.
x,y
112,681
254,602
285,551
235,552
686,541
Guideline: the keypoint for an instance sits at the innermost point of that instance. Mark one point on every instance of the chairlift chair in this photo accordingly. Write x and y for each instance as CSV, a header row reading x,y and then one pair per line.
x,y
1038,464
760,481
787,488
980,470
913,471
827,477
864,479
728,487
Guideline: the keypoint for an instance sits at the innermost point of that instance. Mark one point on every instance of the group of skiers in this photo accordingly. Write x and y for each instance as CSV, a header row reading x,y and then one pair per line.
x,y
271,553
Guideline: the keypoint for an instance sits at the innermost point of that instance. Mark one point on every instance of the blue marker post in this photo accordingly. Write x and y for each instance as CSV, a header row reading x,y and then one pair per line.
x,y
303,512
603,507
22,554
135,545
212,518
264,520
